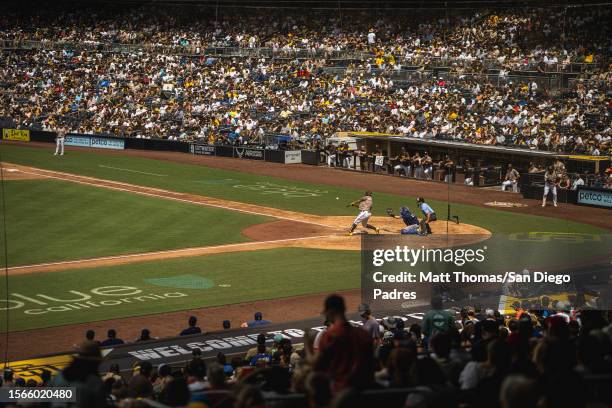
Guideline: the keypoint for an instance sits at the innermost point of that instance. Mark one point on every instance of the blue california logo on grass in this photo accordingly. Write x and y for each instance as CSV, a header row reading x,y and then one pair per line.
x,y
182,282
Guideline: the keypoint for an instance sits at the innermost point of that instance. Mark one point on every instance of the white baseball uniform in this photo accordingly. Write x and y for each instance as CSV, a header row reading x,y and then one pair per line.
x,y
59,142
364,215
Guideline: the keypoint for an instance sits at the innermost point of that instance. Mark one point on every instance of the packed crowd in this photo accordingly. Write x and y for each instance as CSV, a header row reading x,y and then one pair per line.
x,y
474,358
513,40
149,94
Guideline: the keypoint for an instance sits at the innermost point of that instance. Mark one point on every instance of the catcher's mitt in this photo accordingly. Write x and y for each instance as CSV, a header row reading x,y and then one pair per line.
x,y
390,212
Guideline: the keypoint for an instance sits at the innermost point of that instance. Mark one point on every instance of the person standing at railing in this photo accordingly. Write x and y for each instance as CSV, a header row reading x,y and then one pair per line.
x,y
401,163
447,166
417,163
427,166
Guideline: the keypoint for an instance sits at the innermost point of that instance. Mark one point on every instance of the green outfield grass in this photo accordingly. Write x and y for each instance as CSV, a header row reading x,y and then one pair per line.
x,y
52,220
55,220
191,282
222,184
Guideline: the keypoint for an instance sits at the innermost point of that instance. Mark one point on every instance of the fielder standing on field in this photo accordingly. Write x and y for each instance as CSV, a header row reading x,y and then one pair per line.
x,y
59,141
365,206
551,181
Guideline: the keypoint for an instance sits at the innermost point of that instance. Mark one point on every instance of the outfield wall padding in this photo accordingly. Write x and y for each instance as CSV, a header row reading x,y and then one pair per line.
x,y
157,144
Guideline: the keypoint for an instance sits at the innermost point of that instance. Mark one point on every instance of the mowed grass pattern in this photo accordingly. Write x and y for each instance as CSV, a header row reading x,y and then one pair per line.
x,y
52,220
244,277
207,181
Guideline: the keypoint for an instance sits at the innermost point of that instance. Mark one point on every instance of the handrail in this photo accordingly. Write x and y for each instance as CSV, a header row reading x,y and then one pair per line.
x,y
280,53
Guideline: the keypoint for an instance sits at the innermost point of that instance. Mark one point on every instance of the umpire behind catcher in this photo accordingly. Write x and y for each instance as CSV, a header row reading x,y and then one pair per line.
x,y
429,214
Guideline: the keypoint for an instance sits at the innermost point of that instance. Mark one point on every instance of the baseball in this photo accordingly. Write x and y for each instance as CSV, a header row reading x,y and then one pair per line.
x,y
337,198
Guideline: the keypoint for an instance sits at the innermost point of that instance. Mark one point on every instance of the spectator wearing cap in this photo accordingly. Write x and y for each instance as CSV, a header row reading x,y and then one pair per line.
x,y
345,352
140,385
277,343
82,374
369,323
112,339
258,321
192,328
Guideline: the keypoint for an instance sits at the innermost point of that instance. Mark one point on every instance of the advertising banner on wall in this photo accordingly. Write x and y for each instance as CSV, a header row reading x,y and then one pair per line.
x,y
248,153
595,196
107,143
205,150
79,141
94,141
293,156
21,135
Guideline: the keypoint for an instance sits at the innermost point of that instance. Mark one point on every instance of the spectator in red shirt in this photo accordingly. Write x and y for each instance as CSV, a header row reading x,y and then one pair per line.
x,y
345,352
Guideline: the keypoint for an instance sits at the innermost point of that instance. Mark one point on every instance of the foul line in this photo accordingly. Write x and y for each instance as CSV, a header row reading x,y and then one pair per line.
x,y
166,197
132,171
170,251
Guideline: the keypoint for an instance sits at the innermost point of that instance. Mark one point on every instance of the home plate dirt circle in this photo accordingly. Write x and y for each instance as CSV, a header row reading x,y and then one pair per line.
x,y
463,234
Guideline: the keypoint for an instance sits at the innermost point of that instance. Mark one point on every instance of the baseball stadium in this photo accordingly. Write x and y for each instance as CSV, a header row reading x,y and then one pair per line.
x,y
200,197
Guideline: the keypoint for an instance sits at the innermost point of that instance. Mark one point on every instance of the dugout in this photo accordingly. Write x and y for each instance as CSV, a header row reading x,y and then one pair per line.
x,y
585,164
487,163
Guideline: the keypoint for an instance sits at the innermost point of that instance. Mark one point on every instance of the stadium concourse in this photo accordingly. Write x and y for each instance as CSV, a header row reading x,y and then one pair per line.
x,y
536,78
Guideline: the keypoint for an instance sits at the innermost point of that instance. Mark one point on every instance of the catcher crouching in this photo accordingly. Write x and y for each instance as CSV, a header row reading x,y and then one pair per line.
x,y
413,225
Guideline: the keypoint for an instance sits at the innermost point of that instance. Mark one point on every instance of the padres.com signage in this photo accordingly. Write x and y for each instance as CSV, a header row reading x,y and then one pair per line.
x,y
598,197
94,141
21,135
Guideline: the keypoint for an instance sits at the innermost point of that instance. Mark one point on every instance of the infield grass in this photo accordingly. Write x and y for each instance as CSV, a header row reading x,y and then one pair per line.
x,y
267,191
204,281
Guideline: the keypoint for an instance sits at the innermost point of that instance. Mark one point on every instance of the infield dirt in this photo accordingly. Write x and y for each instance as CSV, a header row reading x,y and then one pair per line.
x,y
294,229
